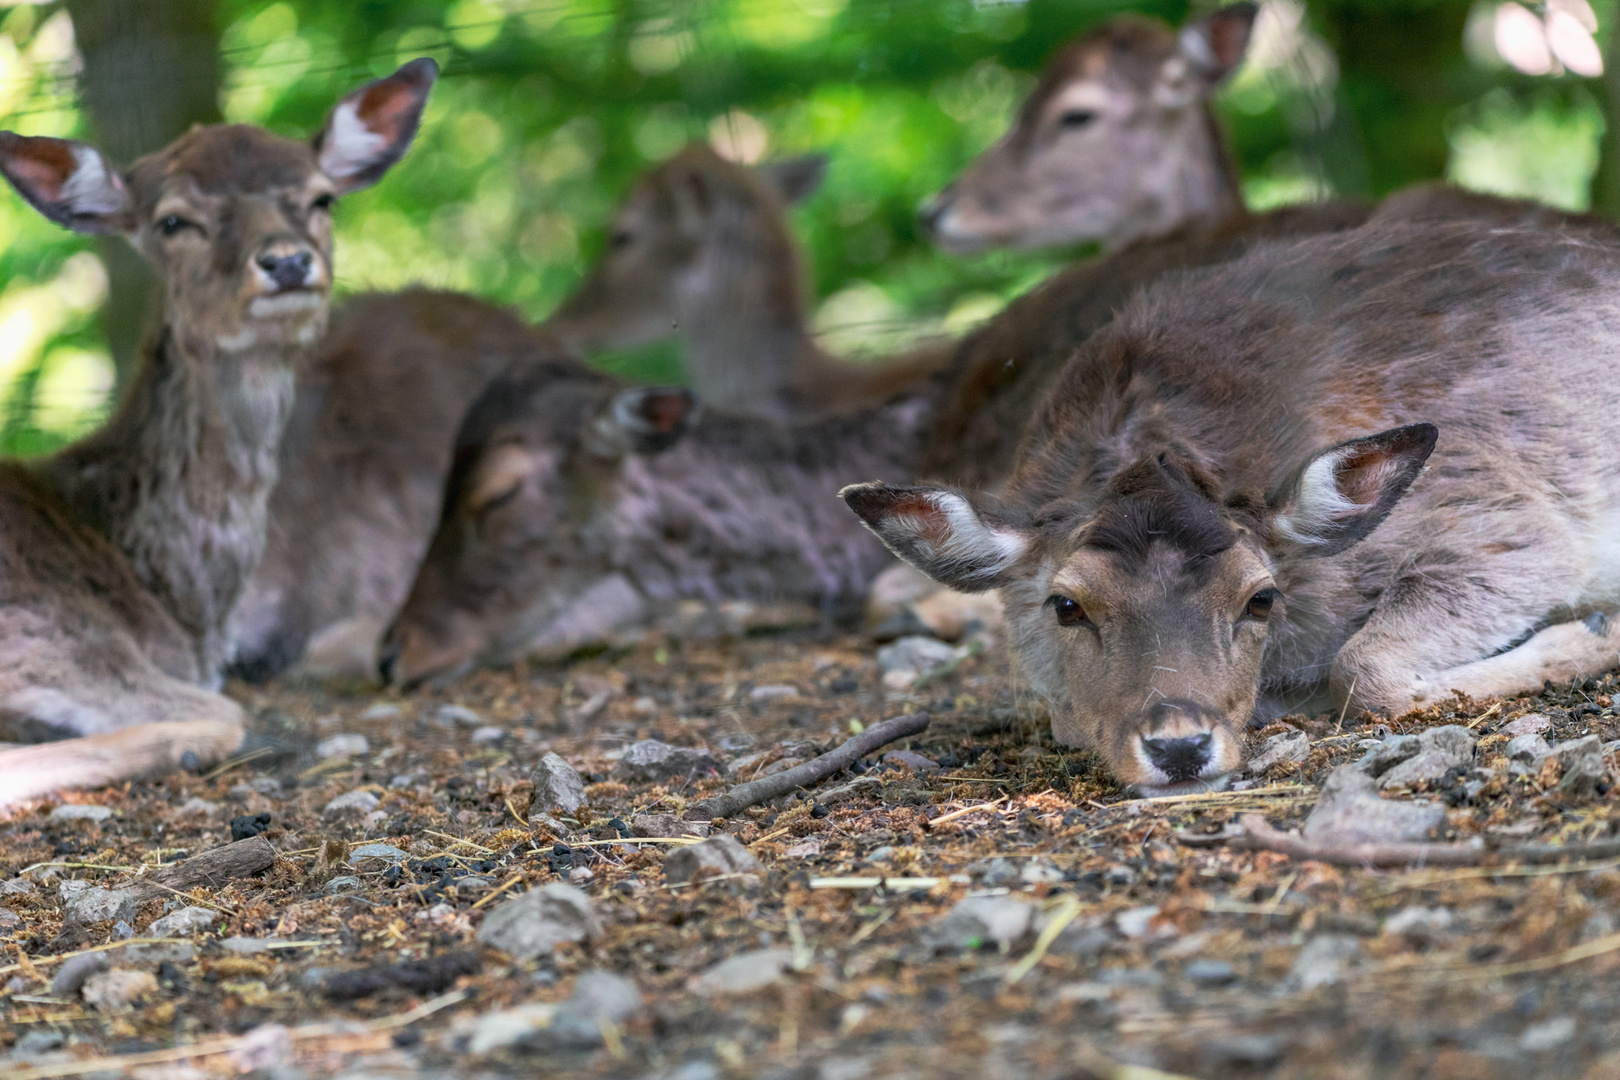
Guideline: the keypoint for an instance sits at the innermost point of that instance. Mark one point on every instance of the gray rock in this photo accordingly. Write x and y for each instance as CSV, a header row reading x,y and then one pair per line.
x,y
151,954
1583,764
666,825
196,807
557,787
1419,925
538,921
372,857
248,946
9,920
910,759
80,812
1528,724
98,905
651,760
342,746
709,858
117,989
506,1027
903,661
1350,811
995,873
744,972
981,920
692,1070
601,998
1386,755
1204,972
488,735
16,887
266,1049
1547,1035
184,923
75,970
772,693
1283,748
458,714
341,884
353,801
1439,750
380,711
1323,960
1136,922
1526,752
37,1042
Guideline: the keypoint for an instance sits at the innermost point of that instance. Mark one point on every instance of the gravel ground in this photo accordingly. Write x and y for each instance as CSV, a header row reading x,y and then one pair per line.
x,y
493,877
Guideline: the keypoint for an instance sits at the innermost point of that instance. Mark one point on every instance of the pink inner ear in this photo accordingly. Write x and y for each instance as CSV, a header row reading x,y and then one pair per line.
x,y
43,166
1362,478
385,108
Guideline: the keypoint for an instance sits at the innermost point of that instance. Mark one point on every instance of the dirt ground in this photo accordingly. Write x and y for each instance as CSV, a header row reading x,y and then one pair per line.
x,y
1137,946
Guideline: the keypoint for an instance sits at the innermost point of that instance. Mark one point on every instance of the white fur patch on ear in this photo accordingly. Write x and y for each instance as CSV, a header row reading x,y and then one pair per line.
x,y
93,189
1322,505
350,147
969,542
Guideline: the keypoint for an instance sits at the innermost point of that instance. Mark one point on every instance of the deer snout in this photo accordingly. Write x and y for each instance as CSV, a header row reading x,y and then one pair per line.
x,y
1180,759
1182,744
287,269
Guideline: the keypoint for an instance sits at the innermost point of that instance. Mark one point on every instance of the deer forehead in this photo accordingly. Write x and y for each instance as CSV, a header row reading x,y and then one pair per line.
x,y
226,160
1112,580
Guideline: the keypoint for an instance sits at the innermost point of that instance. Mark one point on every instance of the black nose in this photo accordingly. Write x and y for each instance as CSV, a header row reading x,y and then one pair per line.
x,y
287,271
1181,758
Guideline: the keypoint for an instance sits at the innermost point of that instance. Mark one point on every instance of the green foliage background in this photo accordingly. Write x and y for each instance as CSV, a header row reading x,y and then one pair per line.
x,y
548,109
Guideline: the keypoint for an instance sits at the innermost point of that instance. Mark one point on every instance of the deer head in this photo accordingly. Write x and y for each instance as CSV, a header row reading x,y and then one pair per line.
x,y
237,222
520,562
1142,614
697,234
1116,141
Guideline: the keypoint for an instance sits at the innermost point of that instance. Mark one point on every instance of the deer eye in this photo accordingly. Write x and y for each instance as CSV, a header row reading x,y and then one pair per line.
x,y
620,239
1260,605
174,223
324,202
1076,118
1069,613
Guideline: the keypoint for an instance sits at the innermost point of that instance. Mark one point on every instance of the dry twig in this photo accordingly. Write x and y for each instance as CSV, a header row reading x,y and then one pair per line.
x,y
1254,833
811,772
214,867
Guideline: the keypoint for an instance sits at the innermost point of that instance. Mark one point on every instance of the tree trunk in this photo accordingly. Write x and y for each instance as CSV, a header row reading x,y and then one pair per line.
x,y
1606,181
151,71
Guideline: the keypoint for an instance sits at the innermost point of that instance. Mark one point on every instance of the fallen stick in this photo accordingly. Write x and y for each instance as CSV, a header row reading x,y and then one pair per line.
x,y
213,867
811,772
1254,833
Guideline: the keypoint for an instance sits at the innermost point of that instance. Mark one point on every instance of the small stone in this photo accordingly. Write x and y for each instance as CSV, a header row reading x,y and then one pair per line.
x,y
1349,811
97,905
743,973
1439,750
1323,959
495,1030
904,661
35,1043
1547,1035
1419,925
1283,748
458,714
910,759
80,812
535,923
557,787
655,761
9,920
1583,765
342,884
380,711
262,1049
981,920
16,887
346,745
488,735
709,858
1528,724
184,923
601,999
579,875
117,989
248,946
1385,755
1136,922
151,954
994,873
772,693
356,801
807,848
195,807
666,825
368,858
75,970
1526,752
1205,972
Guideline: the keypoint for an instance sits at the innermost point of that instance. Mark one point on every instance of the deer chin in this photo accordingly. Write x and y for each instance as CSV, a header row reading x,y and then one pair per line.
x,y
598,615
279,305
1213,782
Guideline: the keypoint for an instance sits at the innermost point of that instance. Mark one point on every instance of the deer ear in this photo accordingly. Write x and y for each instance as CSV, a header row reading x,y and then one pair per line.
x,y
1344,493
1213,46
498,475
797,178
645,420
67,181
940,532
373,127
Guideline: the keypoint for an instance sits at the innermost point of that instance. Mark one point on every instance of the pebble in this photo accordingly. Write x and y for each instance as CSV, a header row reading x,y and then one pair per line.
x,y
1419,925
342,746
1349,811
744,972
1136,922
380,711
196,807
1322,961
708,858
247,946
458,714
80,812
772,693
655,761
600,999
666,825
117,989
371,857
184,923
1583,765
16,887
808,847
1439,750
9,920
262,1049
1283,748
1547,1035
535,923
353,800
904,661
488,735
97,905
1526,752
910,759
557,787
994,873
1528,724
981,920
75,970
342,884
1209,973
496,1030
37,1042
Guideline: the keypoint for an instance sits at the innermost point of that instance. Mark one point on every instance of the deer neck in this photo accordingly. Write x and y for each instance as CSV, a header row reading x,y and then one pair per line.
x,y
180,477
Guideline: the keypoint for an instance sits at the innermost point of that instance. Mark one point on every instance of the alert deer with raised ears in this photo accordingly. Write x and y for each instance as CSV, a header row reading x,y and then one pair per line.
x,y
1362,470
703,247
122,556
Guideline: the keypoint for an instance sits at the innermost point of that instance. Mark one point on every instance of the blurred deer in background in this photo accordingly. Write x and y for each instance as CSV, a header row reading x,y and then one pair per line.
x,y
1209,520
703,248
122,556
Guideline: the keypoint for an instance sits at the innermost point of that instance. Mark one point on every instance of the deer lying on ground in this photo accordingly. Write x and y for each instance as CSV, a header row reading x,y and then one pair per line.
x,y
577,508
1209,520
703,247
363,466
123,555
